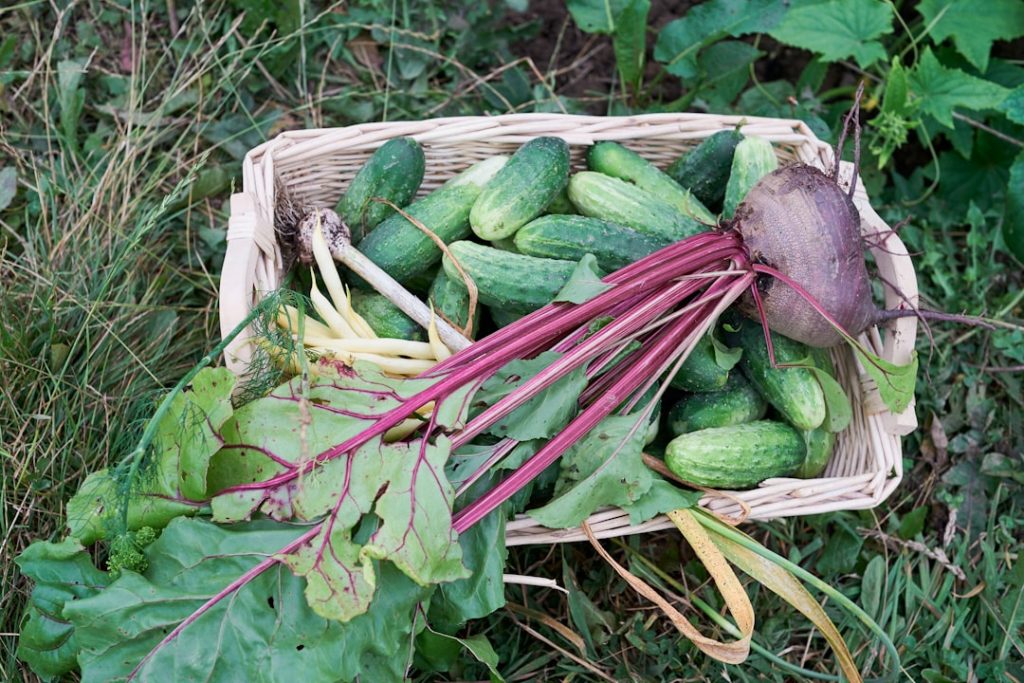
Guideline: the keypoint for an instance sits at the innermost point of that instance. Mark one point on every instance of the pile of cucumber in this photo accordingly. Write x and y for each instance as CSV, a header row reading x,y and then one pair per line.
x,y
518,225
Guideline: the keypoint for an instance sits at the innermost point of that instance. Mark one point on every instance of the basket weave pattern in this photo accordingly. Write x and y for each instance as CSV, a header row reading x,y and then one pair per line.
x,y
316,165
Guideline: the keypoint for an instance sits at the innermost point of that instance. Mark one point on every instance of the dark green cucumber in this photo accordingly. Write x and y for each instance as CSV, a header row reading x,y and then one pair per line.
x,y
561,204
522,189
501,318
614,160
451,299
571,237
739,402
394,172
700,371
736,457
403,250
601,196
754,159
794,392
705,170
512,282
819,443
385,318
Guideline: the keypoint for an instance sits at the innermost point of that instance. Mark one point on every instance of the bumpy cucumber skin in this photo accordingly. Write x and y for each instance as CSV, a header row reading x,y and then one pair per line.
x,y
701,372
819,443
561,204
523,189
506,244
451,298
512,282
617,161
571,237
739,402
385,318
705,170
736,457
614,200
404,251
754,159
794,392
393,172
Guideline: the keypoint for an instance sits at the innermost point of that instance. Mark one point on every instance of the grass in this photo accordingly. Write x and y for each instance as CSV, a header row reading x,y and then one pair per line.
x,y
125,150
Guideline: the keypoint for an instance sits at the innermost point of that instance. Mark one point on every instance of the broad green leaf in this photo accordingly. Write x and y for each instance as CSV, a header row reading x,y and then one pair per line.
x,y
872,585
980,179
8,186
912,523
838,29
630,42
706,23
479,647
662,497
838,411
725,70
597,16
895,100
939,90
725,356
173,478
604,468
973,27
584,283
840,552
62,572
895,382
264,631
542,416
1013,105
1013,214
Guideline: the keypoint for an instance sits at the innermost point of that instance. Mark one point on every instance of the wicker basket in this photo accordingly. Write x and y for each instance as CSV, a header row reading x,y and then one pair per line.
x,y
317,164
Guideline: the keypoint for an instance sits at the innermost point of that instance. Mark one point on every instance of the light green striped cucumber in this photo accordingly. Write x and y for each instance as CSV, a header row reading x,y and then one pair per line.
x,y
739,402
754,159
572,237
385,318
613,159
614,200
403,250
794,392
705,170
736,457
522,189
512,282
394,172
819,443
451,298
701,372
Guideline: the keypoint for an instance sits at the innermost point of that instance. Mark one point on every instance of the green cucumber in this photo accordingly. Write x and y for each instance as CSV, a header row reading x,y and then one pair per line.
x,y
701,372
501,317
739,402
394,172
561,204
601,196
736,457
385,318
819,443
506,244
705,170
512,282
403,250
794,392
754,159
614,160
522,189
451,299
571,237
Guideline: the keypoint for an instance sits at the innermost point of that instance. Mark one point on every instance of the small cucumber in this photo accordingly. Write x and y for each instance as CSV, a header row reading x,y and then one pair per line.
x,y
385,318
451,299
501,318
506,244
739,402
705,170
601,196
522,189
394,172
561,204
512,282
701,372
614,160
572,237
754,159
794,392
819,443
736,457
403,250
